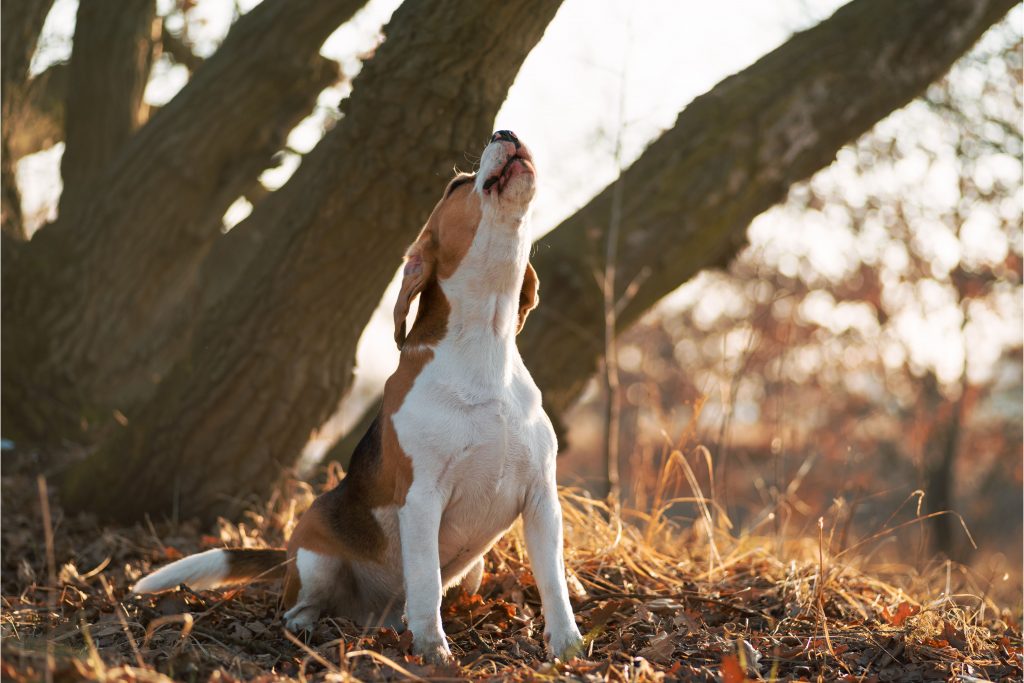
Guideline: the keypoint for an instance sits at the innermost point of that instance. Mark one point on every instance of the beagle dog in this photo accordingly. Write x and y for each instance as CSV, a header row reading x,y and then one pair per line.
x,y
460,448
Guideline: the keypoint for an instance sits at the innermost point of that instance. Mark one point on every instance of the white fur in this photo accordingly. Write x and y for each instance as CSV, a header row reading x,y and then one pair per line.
x,y
317,574
482,448
201,572
482,452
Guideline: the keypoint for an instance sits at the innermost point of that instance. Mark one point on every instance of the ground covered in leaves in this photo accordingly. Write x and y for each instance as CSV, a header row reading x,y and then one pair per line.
x,y
657,601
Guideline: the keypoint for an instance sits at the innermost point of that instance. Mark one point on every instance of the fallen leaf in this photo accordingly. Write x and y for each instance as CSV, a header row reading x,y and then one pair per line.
x,y
953,636
732,672
256,626
601,615
172,603
903,612
172,553
659,649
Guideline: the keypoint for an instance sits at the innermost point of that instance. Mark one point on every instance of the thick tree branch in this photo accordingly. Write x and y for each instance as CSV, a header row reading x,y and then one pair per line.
x,y
110,64
39,116
130,256
733,153
20,23
178,50
283,339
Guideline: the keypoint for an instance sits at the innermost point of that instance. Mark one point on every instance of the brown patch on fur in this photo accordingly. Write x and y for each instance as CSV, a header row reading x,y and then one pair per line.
x,y
436,253
340,523
292,585
456,219
438,250
262,564
529,295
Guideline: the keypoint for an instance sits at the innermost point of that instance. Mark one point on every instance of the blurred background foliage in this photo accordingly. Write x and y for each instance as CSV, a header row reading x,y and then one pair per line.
x,y
865,345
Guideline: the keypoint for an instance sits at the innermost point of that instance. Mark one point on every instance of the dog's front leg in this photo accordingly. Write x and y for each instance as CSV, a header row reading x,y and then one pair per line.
x,y
542,526
419,525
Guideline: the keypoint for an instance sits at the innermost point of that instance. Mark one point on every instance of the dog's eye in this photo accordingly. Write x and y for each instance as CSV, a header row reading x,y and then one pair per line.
x,y
462,180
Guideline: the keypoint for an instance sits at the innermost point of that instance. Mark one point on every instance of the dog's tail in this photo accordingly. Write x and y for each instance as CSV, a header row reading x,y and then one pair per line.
x,y
215,568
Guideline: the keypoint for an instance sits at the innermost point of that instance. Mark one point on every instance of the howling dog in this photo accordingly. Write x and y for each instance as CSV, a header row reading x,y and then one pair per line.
x,y
461,446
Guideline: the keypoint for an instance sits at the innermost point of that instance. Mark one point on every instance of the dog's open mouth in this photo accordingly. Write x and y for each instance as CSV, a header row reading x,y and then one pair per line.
x,y
517,164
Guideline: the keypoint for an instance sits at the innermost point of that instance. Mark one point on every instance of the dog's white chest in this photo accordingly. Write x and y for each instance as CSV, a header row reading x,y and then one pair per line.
x,y
477,436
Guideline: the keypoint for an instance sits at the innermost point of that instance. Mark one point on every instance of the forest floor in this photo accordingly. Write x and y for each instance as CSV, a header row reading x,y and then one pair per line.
x,y
657,601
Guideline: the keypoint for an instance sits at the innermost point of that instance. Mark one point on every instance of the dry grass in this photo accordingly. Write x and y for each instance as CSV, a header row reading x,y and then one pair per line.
x,y
657,601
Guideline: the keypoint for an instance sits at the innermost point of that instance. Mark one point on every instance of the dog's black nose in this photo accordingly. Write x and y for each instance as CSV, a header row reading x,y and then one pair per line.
x,y
505,135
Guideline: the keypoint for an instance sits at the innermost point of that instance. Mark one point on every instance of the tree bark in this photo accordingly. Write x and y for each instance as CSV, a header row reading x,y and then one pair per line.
x,y
732,154
341,451
39,122
271,360
102,289
110,62
20,23
940,490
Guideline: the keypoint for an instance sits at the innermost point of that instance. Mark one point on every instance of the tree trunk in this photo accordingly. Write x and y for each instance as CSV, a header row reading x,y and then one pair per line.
x,y
20,24
271,360
945,420
12,223
940,459
110,62
733,153
39,120
341,451
103,290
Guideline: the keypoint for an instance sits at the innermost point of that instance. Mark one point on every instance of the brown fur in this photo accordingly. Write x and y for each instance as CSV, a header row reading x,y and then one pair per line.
x,y
455,221
436,253
529,295
340,523
251,564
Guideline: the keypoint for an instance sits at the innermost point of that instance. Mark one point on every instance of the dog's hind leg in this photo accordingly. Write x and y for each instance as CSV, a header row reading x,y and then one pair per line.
x,y
317,575
470,583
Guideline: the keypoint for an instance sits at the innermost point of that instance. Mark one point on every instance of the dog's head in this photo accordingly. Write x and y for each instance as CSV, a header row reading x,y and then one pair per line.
x,y
475,243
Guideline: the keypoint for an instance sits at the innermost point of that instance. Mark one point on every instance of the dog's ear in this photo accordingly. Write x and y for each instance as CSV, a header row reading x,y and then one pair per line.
x,y
420,260
529,295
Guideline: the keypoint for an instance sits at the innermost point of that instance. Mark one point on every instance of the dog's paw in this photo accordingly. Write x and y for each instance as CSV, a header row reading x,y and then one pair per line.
x,y
301,618
565,643
433,650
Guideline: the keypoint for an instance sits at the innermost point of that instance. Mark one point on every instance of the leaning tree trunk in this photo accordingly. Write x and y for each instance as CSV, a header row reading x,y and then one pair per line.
x,y
271,360
733,153
93,311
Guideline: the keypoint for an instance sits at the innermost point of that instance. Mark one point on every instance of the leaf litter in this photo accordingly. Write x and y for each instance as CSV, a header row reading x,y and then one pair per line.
x,y
656,600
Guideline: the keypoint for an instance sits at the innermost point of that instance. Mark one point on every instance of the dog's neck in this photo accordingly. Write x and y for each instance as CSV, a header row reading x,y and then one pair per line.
x,y
483,293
